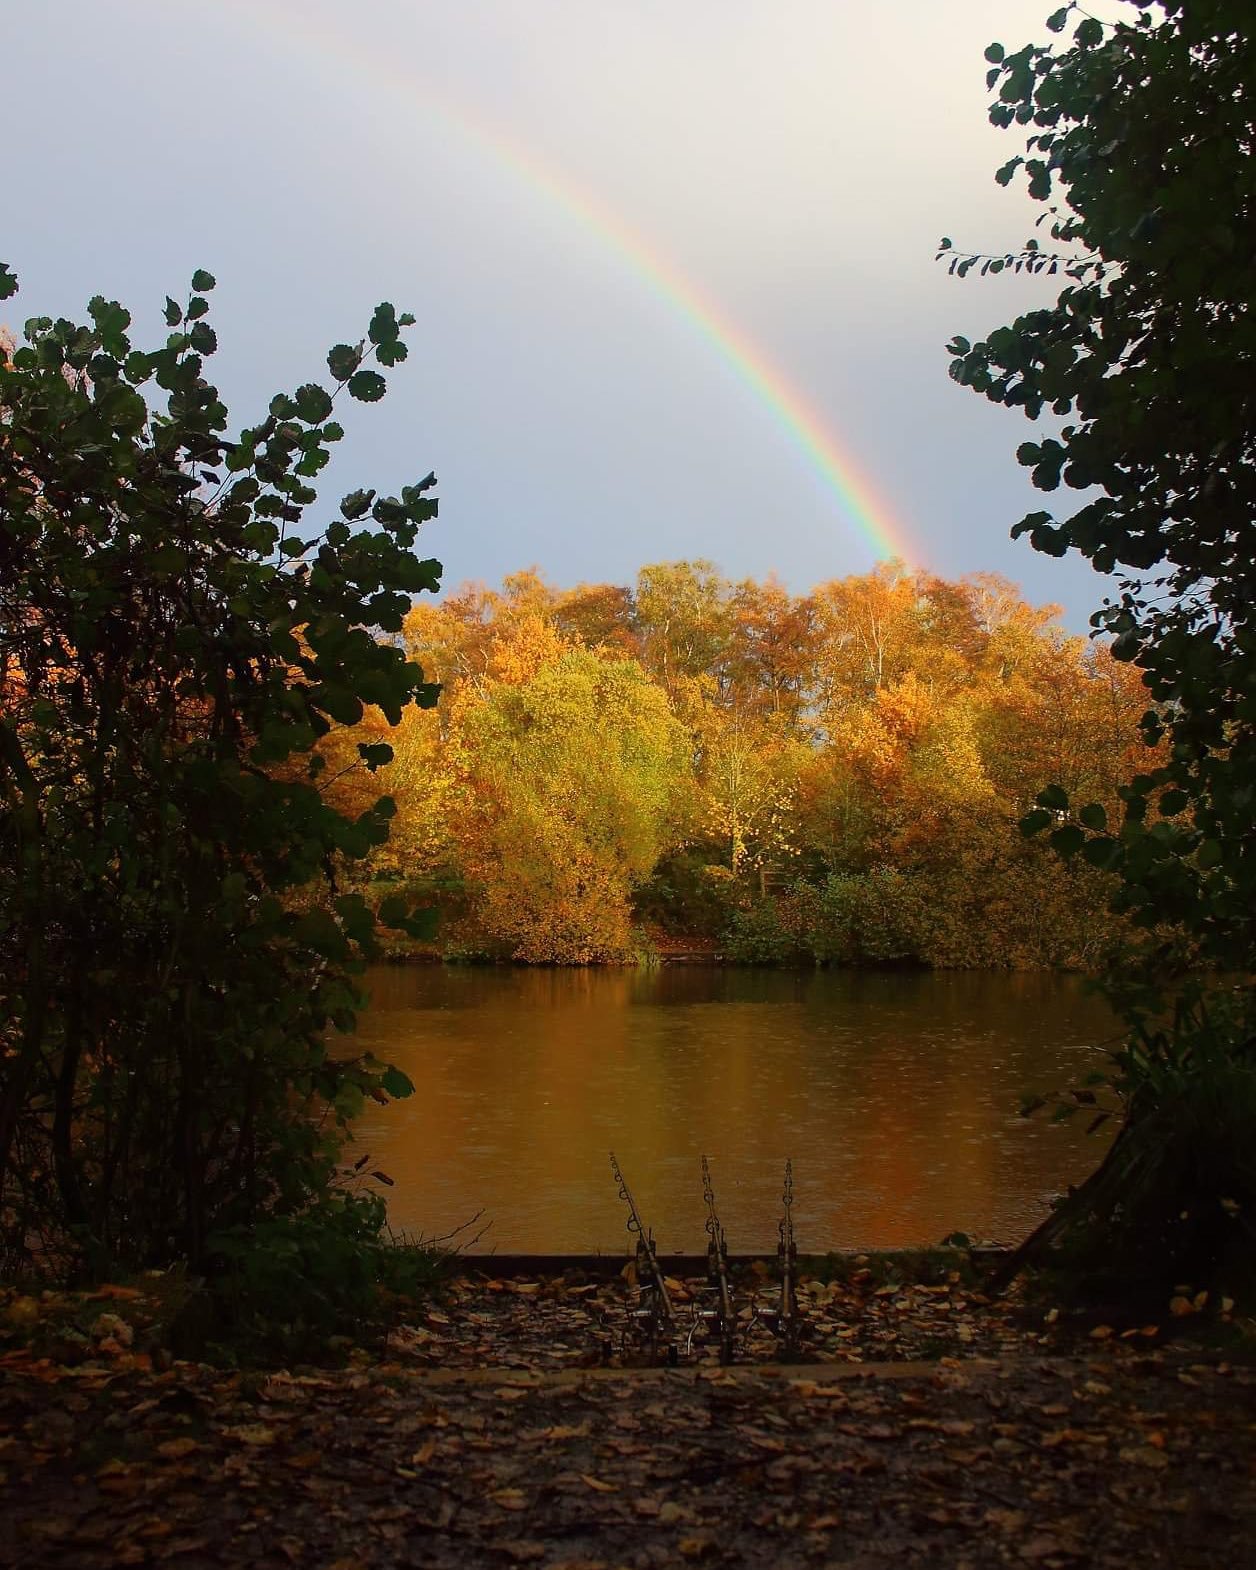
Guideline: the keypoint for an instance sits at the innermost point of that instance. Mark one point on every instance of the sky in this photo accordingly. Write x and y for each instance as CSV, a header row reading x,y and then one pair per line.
x,y
672,264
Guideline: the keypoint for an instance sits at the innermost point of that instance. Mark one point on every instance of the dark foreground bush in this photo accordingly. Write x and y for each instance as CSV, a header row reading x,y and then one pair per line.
x,y
1173,1204
288,1285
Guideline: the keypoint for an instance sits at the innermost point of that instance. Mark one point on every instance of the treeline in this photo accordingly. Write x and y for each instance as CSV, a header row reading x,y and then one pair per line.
x,y
834,777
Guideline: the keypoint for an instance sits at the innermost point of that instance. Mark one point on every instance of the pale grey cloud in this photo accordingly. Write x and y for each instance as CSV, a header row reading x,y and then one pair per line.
x,y
795,162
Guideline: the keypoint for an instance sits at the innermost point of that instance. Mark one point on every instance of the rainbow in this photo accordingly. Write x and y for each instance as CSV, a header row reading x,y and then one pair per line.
x,y
800,421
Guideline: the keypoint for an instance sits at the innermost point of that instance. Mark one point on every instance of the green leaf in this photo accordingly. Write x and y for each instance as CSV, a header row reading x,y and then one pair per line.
x,y
112,321
343,360
8,282
349,1101
367,386
1093,816
1054,798
357,504
339,702
1034,822
393,910
1089,33
994,53
383,328
320,931
1208,855
397,1084
375,754
202,281
1102,852
1068,840
313,403
173,312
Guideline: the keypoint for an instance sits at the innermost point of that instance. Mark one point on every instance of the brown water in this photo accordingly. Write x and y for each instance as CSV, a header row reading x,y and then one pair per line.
x,y
895,1095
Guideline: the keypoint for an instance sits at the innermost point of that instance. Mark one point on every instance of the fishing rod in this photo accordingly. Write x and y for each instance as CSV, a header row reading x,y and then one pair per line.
x,y
717,1267
787,1260
655,1305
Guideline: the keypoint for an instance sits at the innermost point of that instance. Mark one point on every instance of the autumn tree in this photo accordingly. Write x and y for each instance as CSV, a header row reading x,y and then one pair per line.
x,y
571,778
772,650
175,638
682,613
865,626
855,761
747,780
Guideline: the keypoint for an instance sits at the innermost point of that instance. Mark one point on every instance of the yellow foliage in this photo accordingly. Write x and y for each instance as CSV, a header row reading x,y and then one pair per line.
x,y
892,721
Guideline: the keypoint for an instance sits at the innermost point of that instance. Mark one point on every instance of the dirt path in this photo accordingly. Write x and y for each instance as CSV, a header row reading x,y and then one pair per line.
x,y
1111,1460
503,1424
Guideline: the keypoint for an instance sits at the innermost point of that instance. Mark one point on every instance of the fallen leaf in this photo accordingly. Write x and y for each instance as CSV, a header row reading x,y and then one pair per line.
x,y
509,1498
809,1389
175,1449
1143,1455
523,1552
1041,1547
670,1513
110,1328
251,1434
598,1485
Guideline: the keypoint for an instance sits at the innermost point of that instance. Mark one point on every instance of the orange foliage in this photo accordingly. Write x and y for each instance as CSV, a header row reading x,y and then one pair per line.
x,y
894,721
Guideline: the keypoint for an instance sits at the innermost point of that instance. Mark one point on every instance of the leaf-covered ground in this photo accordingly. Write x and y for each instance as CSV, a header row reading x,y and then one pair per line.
x,y
484,1434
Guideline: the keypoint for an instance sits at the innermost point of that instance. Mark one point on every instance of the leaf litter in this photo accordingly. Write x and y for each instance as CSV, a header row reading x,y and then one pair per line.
x,y
507,1426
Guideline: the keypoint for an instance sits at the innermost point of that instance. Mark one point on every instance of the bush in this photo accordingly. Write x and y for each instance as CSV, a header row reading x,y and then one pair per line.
x,y
288,1284
758,936
174,947
865,917
1174,1201
687,896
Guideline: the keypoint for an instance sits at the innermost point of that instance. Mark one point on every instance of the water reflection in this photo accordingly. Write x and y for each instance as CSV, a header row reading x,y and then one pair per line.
x,y
896,1096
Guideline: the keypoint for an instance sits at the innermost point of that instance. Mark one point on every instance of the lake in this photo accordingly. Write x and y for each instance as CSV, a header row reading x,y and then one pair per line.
x,y
895,1094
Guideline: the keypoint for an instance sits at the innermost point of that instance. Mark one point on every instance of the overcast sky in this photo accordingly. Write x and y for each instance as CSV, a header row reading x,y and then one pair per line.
x,y
793,163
